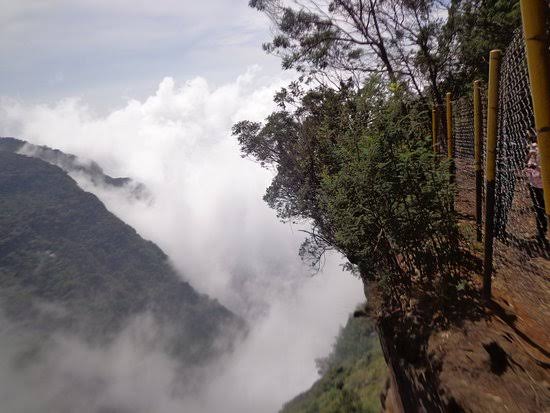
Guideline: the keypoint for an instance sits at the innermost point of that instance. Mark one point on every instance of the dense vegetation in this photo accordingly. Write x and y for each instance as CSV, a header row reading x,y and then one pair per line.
x,y
353,375
356,163
60,249
350,143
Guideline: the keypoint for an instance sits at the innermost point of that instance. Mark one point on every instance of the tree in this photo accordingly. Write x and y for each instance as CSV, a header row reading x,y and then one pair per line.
x,y
474,28
348,153
354,39
351,163
429,46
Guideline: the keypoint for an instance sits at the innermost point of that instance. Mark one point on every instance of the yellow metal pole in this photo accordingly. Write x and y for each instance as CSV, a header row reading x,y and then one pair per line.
x,y
478,147
534,13
434,129
449,110
492,122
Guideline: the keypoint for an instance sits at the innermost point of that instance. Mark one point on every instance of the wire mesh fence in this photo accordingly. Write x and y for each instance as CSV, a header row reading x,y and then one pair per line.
x,y
520,220
463,128
521,224
463,138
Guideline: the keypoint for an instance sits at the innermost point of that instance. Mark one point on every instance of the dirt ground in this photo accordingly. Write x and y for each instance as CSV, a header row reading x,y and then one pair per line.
x,y
500,361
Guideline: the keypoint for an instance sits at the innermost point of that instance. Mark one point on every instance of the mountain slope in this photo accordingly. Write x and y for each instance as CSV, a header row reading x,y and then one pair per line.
x,y
353,375
59,245
73,164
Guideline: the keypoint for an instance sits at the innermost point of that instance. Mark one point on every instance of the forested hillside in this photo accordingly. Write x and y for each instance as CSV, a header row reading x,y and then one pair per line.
x,y
352,375
60,248
72,164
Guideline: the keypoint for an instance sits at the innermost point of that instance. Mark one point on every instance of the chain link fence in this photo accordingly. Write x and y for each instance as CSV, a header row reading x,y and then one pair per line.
x,y
464,151
521,224
520,220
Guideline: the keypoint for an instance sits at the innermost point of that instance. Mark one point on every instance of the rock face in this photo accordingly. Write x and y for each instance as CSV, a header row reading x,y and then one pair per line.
x,y
61,248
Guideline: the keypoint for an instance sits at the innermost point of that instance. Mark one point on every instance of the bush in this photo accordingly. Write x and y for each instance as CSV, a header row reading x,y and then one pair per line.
x,y
357,166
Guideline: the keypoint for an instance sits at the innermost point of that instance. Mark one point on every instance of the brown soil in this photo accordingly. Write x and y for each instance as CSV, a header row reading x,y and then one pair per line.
x,y
492,356
500,362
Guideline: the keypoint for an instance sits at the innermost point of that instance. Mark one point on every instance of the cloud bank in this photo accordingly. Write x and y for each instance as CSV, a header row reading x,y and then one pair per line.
x,y
208,216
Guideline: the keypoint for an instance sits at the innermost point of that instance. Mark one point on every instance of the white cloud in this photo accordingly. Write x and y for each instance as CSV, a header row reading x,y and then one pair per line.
x,y
132,374
209,217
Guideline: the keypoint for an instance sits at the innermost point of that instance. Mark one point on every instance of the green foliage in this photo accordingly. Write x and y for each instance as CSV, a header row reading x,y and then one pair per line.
x,y
350,156
430,47
356,340
356,164
353,375
60,246
389,197
403,41
476,27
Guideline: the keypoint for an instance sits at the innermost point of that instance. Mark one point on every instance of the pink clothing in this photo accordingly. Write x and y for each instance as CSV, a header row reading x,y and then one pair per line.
x,y
535,178
533,167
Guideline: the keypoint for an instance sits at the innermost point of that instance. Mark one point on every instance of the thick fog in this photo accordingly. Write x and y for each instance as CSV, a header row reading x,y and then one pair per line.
x,y
206,212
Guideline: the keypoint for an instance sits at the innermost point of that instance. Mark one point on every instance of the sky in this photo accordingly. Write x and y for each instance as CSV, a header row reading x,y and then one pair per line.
x,y
150,90
107,51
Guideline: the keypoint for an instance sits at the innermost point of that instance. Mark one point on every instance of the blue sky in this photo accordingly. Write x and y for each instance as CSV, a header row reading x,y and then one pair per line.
x,y
106,52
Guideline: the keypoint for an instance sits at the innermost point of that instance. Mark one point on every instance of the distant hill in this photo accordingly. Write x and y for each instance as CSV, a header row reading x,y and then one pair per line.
x,y
352,376
61,248
73,164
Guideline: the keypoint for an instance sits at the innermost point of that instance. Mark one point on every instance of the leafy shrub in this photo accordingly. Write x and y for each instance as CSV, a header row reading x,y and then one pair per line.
x,y
355,165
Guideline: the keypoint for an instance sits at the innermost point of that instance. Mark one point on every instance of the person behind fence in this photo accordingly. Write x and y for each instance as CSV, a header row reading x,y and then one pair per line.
x,y
535,188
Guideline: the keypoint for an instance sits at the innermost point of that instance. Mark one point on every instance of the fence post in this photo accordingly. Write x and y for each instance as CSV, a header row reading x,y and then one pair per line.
x,y
450,141
449,111
533,13
478,147
434,129
492,125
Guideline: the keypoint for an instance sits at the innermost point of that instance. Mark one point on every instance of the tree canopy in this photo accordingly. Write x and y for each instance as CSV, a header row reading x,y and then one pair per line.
x,y
355,165
426,45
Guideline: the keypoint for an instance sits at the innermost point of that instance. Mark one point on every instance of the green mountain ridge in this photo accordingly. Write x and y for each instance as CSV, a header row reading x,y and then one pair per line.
x,y
60,247
73,164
